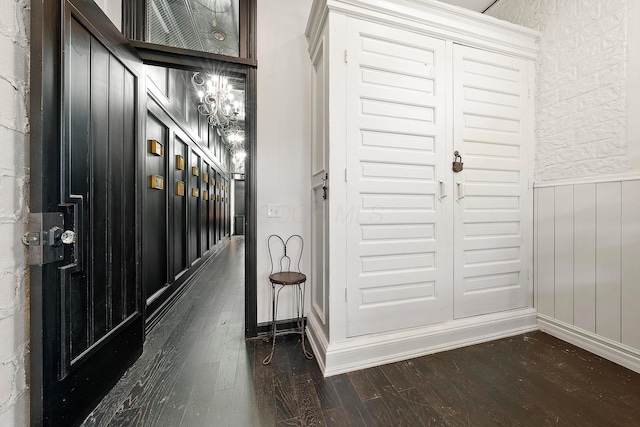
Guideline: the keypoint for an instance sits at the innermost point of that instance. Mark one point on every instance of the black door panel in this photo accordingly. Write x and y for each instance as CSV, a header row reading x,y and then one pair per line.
x,y
91,327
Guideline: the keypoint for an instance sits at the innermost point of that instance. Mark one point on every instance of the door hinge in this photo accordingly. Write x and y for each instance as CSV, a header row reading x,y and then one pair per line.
x,y
346,56
345,174
529,93
528,274
345,295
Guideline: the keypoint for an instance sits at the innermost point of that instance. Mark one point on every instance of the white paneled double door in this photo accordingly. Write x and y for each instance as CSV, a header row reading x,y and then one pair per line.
x,y
424,244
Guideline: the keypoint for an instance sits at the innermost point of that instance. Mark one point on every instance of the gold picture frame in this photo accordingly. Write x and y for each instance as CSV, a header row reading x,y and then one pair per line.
x,y
156,182
179,162
180,188
156,148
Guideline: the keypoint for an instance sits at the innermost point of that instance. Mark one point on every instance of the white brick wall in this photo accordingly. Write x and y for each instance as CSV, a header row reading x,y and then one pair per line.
x,y
581,120
14,69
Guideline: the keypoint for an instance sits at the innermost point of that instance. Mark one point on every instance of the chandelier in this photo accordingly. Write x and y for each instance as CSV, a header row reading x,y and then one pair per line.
x,y
216,100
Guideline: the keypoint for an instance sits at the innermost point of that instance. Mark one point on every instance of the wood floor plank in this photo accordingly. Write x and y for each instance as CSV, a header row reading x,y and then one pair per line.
x,y
336,417
263,382
423,409
309,411
355,410
325,390
396,377
364,387
402,411
286,403
379,412
466,372
436,392
452,395
220,409
199,402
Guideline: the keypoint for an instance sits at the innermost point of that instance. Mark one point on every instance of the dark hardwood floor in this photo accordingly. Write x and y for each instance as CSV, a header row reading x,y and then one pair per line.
x,y
197,370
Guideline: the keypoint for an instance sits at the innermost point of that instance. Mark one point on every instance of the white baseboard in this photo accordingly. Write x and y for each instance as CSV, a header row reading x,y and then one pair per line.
x,y
318,341
374,350
614,351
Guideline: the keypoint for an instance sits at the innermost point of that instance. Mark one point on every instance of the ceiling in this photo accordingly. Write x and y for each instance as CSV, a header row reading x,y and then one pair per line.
x,y
477,5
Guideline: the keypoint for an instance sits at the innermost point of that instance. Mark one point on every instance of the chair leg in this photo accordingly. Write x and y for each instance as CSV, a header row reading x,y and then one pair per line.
x,y
301,293
275,296
274,308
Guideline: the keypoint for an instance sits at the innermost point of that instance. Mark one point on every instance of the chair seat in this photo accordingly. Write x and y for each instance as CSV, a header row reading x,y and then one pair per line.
x,y
287,278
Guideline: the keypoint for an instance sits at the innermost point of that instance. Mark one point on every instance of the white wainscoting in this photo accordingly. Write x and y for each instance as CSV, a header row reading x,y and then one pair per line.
x,y
587,265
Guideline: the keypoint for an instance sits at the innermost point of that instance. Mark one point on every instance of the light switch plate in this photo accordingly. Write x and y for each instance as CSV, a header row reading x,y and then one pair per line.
x,y
273,211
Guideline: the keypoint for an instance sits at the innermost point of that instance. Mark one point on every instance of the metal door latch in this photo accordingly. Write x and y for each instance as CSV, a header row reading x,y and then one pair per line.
x,y
46,238
324,186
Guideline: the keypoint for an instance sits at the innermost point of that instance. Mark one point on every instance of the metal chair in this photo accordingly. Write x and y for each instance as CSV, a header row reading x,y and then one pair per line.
x,y
282,276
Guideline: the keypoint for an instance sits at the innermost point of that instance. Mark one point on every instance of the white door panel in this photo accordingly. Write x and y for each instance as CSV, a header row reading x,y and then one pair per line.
x,y
398,266
491,254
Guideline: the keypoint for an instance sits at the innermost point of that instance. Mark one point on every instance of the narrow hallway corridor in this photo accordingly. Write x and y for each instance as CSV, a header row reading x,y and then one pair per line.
x,y
195,366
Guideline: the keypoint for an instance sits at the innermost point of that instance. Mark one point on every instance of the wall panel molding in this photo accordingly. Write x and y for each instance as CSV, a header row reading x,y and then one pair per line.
x,y
588,240
587,180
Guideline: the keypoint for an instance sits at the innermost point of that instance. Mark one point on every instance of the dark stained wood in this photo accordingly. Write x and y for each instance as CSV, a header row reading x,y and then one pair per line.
x,y
251,205
84,83
168,56
379,412
363,385
309,413
402,411
353,407
286,405
336,417
395,376
198,370
326,392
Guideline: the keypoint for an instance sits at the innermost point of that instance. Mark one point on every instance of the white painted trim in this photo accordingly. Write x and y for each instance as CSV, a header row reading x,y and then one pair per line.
x,y
318,341
614,351
587,180
375,350
315,25
432,18
400,9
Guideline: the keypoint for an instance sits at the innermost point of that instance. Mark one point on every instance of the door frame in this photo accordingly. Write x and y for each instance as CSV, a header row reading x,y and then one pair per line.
x,y
133,26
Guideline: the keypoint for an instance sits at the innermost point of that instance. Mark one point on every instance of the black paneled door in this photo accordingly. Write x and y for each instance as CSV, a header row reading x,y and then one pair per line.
x,y
92,324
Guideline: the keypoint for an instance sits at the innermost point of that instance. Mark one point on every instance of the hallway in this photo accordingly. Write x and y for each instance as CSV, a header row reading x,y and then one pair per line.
x,y
198,370
195,368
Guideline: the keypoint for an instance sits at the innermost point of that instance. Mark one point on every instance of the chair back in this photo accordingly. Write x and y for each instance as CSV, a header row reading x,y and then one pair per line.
x,y
285,255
